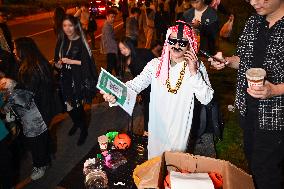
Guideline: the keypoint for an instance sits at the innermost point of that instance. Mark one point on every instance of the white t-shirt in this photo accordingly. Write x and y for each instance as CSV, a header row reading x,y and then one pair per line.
x,y
198,14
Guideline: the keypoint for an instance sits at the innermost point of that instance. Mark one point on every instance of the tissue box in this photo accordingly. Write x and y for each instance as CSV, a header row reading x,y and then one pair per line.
x,y
151,173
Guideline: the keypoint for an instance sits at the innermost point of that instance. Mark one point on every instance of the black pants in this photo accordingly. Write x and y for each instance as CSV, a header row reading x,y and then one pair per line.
x,y
124,17
77,115
146,100
6,166
40,149
91,34
112,63
264,151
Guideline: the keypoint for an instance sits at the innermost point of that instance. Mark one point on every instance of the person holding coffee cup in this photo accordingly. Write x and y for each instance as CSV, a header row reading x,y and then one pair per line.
x,y
260,91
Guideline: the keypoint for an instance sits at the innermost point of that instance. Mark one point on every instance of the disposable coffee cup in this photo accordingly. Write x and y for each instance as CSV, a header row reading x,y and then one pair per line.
x,y
255,77
103,141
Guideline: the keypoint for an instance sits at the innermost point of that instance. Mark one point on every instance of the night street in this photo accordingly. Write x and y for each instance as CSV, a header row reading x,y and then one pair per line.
x,y
42,32
141,94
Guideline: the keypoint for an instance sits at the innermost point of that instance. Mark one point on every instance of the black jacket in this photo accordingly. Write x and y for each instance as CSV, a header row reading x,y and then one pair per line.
x,y
209,21
21,104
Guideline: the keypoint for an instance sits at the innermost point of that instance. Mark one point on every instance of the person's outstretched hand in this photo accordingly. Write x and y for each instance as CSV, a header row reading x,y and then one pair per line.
x,y
108,97
218,65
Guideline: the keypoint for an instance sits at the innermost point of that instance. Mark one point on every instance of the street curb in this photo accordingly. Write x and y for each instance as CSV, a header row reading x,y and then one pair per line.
x,y
35,17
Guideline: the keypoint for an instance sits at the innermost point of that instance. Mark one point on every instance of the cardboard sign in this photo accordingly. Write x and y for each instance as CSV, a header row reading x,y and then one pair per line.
x,y
125,97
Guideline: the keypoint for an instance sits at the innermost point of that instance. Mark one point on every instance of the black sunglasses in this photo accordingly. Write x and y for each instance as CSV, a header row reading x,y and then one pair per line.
x,y
181,42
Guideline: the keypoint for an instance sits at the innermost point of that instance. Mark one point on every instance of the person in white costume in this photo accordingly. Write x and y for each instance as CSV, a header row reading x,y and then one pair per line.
x,y
175,78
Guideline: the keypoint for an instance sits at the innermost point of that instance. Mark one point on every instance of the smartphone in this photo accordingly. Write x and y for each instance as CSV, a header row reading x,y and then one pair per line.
x,y
214,58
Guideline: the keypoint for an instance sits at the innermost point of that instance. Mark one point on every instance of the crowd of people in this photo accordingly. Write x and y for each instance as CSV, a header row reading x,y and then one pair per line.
x,y
32,94
166,71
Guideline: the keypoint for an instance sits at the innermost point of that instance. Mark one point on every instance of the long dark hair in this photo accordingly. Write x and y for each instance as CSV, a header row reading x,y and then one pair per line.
x,y
78,30
32,60
59,14
128,44
75,22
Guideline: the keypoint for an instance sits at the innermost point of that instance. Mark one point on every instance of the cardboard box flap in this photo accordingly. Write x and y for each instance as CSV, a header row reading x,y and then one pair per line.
x,y
147,174
193,163
181,160
236,178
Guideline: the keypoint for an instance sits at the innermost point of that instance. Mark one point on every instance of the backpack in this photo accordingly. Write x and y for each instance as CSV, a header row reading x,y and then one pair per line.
x,y
207,119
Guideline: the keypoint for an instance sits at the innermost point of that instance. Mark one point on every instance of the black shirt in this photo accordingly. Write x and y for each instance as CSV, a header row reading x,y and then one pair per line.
x,y
270,110
259,53
139,60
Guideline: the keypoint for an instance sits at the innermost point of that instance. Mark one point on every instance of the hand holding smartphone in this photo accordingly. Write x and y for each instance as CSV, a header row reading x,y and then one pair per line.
x,y
213,57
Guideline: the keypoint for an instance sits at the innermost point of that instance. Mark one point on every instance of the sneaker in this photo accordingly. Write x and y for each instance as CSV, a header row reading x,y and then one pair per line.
x,y
82,138
37,173
73,130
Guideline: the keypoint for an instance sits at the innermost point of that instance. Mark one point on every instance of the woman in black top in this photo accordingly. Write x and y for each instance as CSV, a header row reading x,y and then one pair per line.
x,y
78,75
136,59
35,75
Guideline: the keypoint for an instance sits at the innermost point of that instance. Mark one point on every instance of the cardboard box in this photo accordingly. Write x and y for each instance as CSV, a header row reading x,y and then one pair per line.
x,y
150,174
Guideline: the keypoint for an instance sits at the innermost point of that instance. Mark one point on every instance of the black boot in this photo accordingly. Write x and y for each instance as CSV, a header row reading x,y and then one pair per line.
x,y
83,125
74,116
73,130
83,137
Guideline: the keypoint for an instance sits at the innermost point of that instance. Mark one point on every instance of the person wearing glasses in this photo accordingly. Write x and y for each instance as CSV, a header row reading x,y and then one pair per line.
x,y
261,45
175,78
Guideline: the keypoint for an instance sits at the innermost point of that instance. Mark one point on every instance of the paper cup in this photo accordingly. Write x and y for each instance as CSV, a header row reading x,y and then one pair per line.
x,y
255,76
103,141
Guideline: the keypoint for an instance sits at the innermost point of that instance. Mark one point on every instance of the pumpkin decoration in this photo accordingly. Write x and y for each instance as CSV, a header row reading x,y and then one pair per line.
x,y
122,141
217,179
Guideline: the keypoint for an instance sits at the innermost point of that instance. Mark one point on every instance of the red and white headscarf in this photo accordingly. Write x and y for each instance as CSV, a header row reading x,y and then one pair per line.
x,y
163,67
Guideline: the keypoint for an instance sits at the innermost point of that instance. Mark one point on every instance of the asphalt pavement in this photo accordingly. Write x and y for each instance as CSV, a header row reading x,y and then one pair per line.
x,y
103,118
41,30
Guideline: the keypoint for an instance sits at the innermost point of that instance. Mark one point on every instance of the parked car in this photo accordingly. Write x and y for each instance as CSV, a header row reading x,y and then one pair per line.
x,y
99,7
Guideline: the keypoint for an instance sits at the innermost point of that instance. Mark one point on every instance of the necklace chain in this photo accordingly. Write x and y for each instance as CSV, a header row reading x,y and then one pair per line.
x,y
179,81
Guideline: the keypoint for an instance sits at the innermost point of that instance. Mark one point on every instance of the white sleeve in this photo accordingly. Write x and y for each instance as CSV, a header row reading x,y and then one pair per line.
x,y
144,79
201,85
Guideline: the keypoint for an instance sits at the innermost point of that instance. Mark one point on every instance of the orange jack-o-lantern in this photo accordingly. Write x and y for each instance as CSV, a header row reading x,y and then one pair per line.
x,y
122,141
217,179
